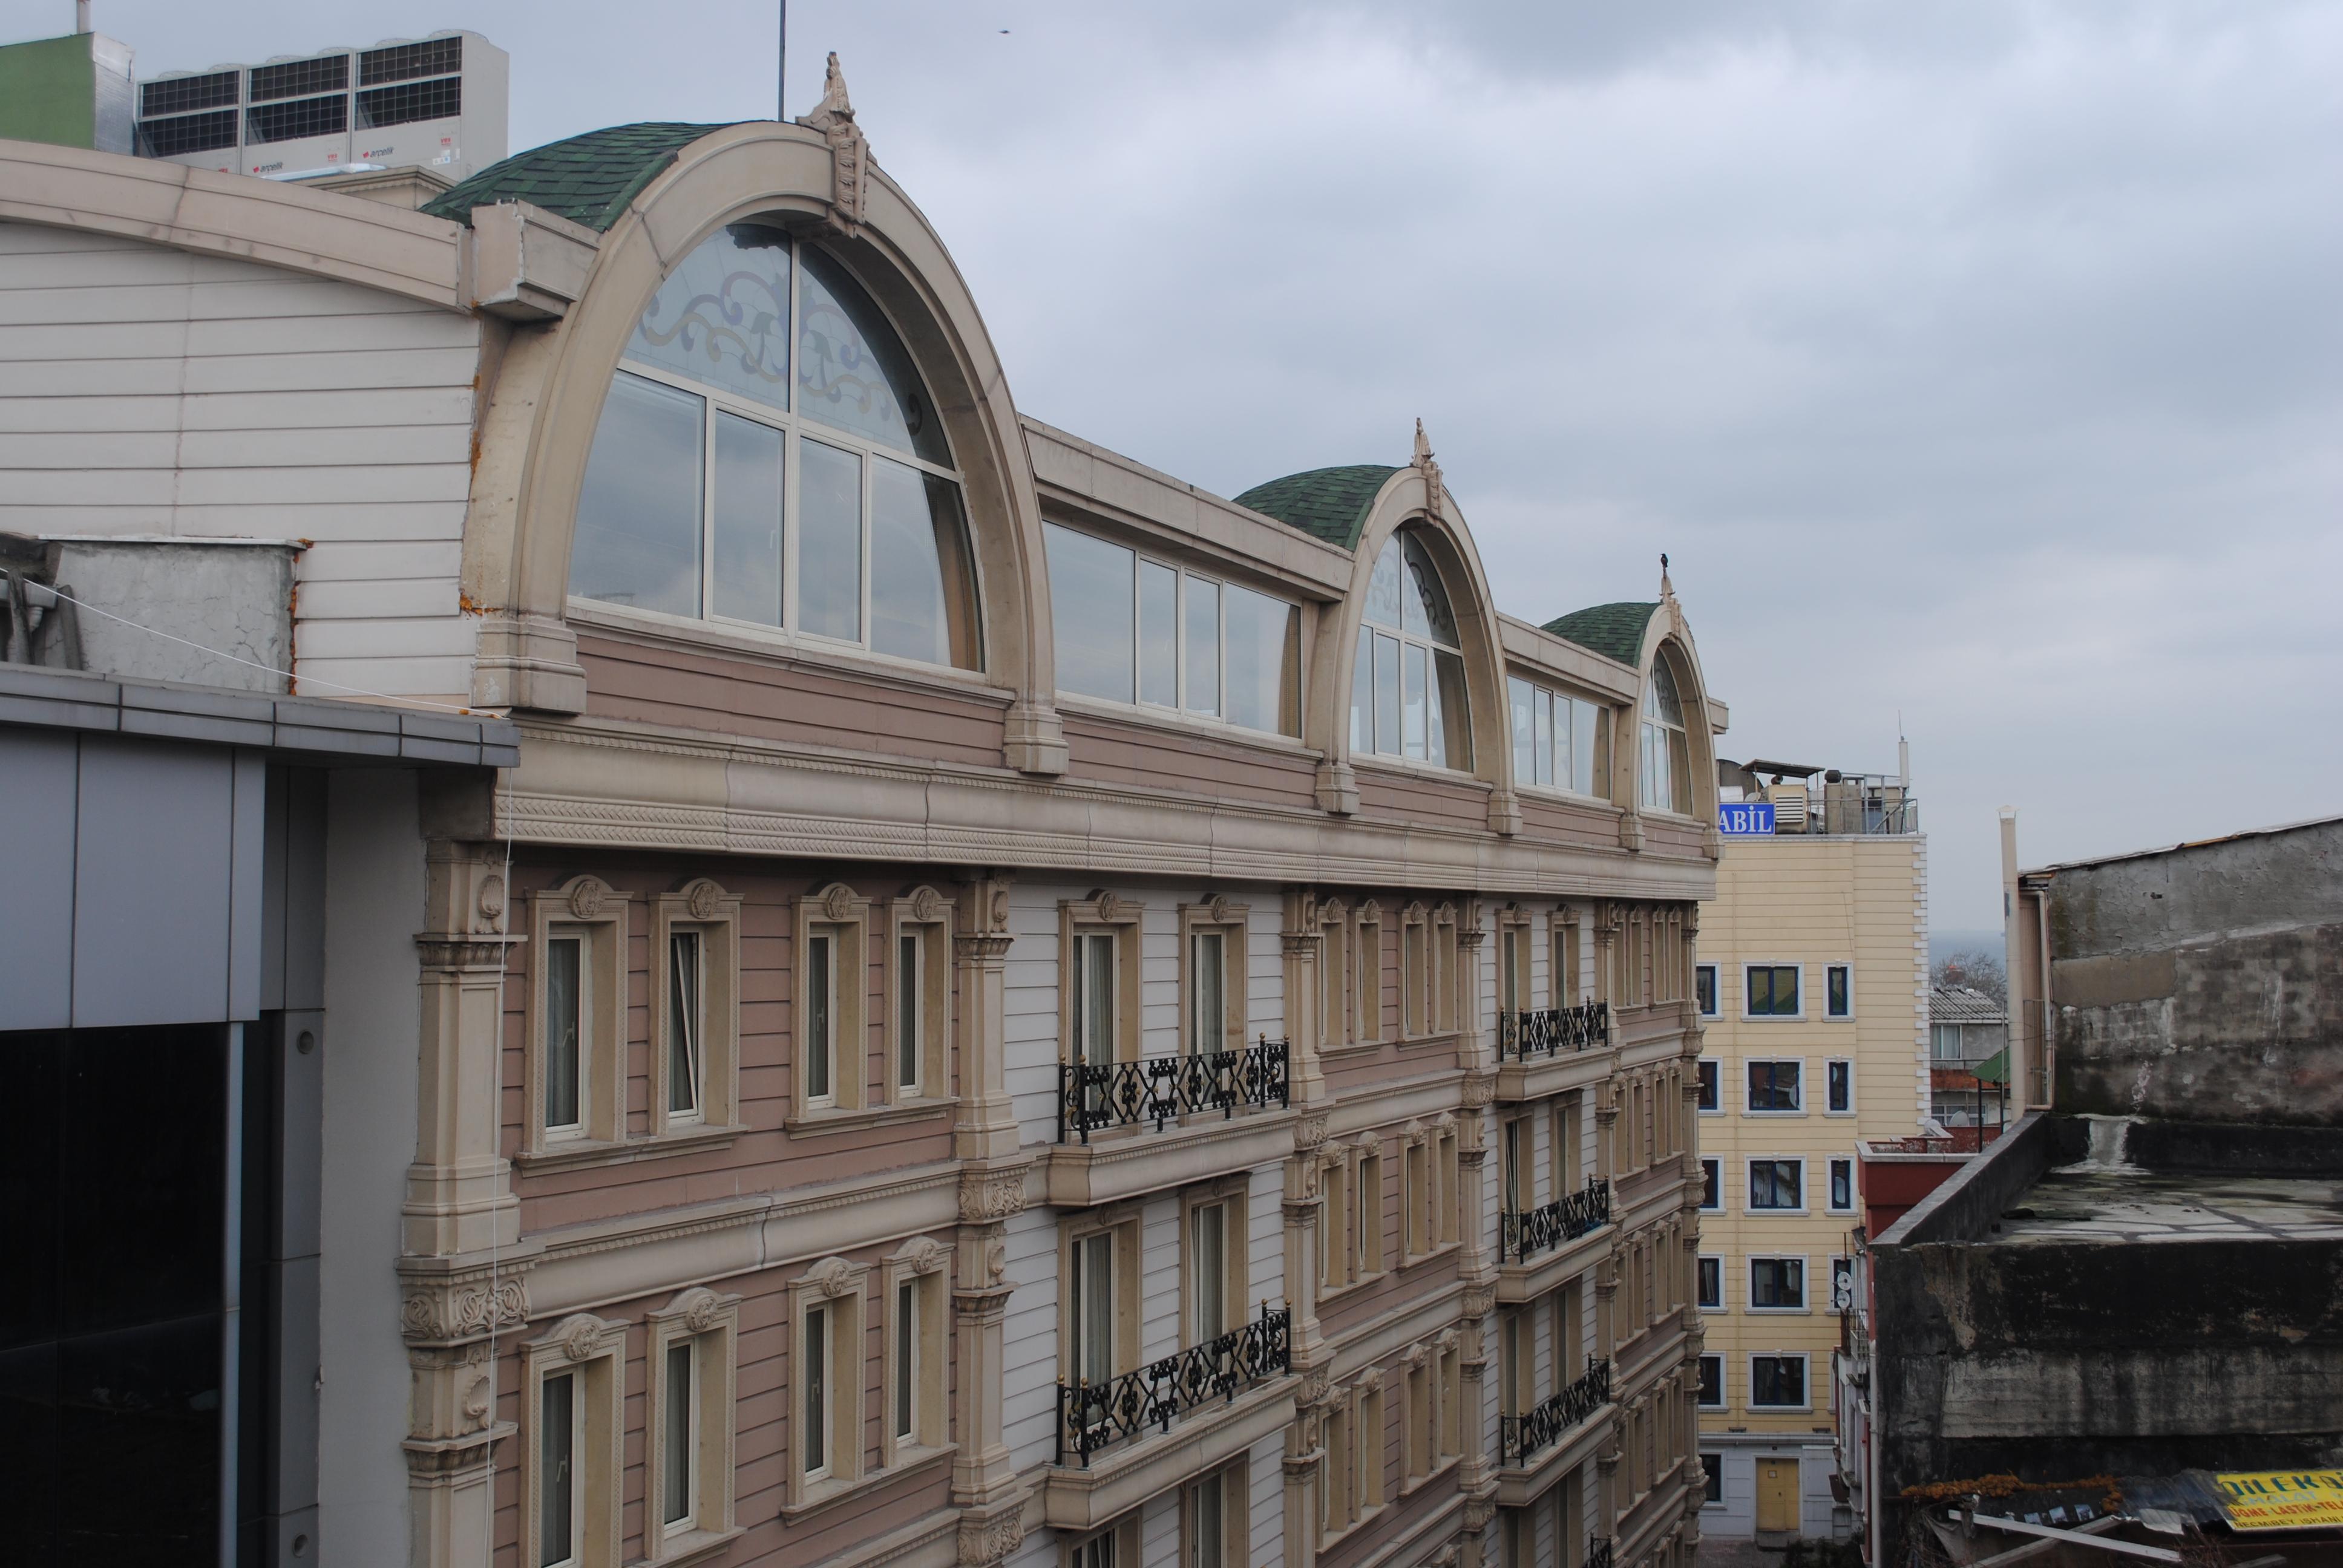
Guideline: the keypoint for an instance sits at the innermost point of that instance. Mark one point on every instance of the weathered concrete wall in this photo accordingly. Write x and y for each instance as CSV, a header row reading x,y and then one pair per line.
x,y
2203,983
235,597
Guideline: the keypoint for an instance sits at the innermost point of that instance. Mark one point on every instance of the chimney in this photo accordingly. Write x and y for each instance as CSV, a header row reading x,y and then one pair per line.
x,y
81,16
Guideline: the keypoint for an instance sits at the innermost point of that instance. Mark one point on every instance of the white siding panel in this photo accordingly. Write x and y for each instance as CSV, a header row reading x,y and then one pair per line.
x,y
1265,967
146,391
1159,1530
1159,977
1028,1365
1268,1522
1030,980
1159,1279
1265,1244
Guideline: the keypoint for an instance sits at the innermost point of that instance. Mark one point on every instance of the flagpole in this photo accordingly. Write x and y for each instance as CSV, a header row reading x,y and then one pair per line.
x,y
782,70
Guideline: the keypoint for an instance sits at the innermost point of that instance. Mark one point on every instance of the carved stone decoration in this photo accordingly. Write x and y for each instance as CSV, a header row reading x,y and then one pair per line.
x,y
587,897
1297,944
1317,1388
1370,1381
1480,1089
1480,1301
701,1307
1332,912
580,1337
986,1196
849,151
479,1396
996,1260
838,902
1417,1355
1424,463
1449,1339
982,1542
1478,1512
1111,906
1308,1133
490,903
1000,909
703,898
833,1277
437,1316
921,1255
1219,907
927,906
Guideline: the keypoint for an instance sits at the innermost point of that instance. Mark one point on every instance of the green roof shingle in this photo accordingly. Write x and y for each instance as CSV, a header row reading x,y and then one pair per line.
x,y
1330,504
1614,630
588,178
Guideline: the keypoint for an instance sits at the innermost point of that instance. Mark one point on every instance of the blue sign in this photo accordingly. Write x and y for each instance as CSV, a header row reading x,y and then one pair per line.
x,y
1745,819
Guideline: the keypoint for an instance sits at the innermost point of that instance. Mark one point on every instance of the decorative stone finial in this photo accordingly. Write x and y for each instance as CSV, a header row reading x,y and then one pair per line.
x,y
1423,445
849,152
1424,464
835,105
1667,589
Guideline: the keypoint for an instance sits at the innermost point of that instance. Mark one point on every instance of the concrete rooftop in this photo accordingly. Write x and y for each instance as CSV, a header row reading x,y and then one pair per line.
x,y
2091,1201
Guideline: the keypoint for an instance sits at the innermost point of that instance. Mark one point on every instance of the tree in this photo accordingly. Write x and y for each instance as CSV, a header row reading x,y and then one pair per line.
x,y
1979,971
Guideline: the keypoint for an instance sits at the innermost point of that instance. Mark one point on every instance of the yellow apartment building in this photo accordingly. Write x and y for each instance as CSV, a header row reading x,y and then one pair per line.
x,y
1813,990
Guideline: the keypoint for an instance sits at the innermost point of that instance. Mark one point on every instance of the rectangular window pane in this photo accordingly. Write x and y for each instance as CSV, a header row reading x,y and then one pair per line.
x,y
1205,1530
1711,1282
563,1006
1773,1085
813,1387
683,1022
1387,695
1159,634
1565,775
747,548
1208,998
829,541
1093,1314
1094,998
1711,1384
1842,1184
815,1029
1090,613
917,575
676,1475
1842,1086
637,539
1209,1246
556,1455
1264,651
1413,718
1708,1097
1201,629
1779,1282
910,1010
1583,717
1840,1002
1451,737
1362,695
1543,747
907,1353
1711,1196
1519,696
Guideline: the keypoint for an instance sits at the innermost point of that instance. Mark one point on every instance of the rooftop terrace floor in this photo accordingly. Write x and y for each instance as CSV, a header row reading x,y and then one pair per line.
x,y
2121,1203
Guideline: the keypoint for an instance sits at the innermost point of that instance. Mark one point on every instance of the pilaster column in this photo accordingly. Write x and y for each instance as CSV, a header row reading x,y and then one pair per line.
x,y
1606,1306
463,1273
984,1478
1478,1472
1607,919
1304,942
1469,939
987,1127
1472,1173
1302,1209
1304,1461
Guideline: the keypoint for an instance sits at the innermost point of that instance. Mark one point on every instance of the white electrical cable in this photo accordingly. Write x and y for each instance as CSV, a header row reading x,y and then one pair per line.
x,y
252,664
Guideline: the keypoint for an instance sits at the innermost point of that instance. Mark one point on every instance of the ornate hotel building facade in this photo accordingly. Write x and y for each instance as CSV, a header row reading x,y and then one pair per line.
x,y
1004,1010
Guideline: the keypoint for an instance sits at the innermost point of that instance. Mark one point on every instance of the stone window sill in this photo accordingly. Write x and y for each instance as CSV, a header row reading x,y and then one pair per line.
x,y
694,1547
813,1124
583,1153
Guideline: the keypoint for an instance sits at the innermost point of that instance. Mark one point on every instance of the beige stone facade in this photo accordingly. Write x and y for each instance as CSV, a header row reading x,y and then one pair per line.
x,y
889,1109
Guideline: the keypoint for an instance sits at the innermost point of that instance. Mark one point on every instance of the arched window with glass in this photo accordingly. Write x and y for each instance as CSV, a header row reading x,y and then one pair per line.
x,y
1407,684
1665,776
722,486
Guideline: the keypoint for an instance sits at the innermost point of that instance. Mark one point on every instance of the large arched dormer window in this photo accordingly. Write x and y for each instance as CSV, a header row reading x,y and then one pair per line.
x,y
1407,681
722,486
1664,781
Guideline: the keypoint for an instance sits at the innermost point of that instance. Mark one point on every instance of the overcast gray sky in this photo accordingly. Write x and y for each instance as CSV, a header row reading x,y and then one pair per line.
x,y
1976,361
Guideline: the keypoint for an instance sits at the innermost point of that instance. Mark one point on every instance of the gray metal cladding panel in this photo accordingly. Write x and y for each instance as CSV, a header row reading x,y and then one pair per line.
x,y
37,804
155,885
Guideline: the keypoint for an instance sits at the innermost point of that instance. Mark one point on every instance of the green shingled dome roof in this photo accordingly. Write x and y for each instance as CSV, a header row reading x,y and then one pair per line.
x,y
588,179
1614,630
1330,504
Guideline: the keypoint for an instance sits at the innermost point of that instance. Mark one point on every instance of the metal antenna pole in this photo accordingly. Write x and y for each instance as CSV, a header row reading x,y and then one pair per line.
x,y
782,70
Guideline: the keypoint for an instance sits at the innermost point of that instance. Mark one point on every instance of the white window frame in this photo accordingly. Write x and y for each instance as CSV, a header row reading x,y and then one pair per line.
x,y
1830,1064
1230,922
1231,1496
1723,1398
1373,1258
795,428
1367,976
1706,1163
1708,1071
1228,1196
1715,991
1748,1017
836,1288
1363,640
589,910
844,916
594,1351
1705,1261
704,908
1828,970
1749,1061
1117,919
1830,1198
1806,1379
925,915
923,1265
1805,1283
1120,1225
710,1326
1544,701
1804,1204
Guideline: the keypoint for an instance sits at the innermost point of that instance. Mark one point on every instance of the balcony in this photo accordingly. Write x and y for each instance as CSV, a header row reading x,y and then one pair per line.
x,y
1598,1552
1167,1121
1142,1435
1554,1051
1565,1219
1521,1439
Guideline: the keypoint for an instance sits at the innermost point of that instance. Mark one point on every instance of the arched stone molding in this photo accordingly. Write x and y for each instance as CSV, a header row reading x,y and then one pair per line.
x,y
540,425
1413,495
1668,635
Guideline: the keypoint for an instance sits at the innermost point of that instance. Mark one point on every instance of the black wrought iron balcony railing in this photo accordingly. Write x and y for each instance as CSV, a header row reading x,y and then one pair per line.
x,y
1549,1031
1521,1438
1162,1089
1550,1225
1598,1552
1095,1415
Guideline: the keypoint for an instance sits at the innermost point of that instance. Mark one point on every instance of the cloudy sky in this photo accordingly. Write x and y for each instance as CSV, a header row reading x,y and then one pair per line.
x,y
1978,363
